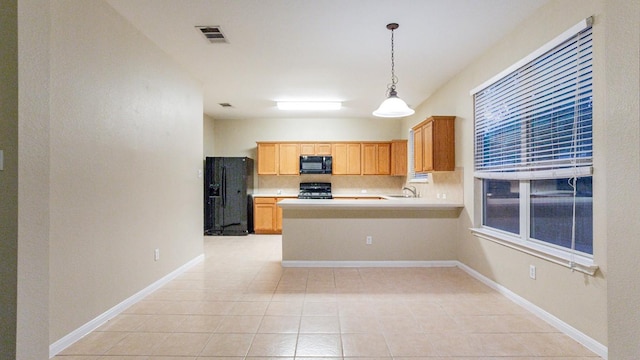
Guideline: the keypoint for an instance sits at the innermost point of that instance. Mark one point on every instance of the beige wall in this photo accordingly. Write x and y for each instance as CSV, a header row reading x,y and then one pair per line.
x,y
622,169
575,298
397,235
126,146
208,130
238,137
32,335
8,177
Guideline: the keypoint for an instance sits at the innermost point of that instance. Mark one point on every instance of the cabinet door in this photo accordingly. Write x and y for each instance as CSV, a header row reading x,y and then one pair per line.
x,y
376,158
444,148
369,159
315,149
264,215
383,154
427,146
340,159
323,149
346,158
267,159
278,227
418,152
399,158
307,149
354,156
289,162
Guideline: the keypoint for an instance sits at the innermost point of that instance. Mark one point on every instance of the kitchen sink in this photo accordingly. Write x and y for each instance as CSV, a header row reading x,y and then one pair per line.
x,y
399,196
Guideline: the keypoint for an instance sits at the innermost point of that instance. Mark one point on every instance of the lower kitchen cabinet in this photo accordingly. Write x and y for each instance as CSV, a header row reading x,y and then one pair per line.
x,y
267,215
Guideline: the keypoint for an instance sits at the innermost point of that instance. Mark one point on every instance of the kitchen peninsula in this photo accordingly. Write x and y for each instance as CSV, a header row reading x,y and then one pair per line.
x,y
386,231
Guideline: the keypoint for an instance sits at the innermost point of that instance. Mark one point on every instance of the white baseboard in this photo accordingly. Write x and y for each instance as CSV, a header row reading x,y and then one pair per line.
x,y
338,264
567,329
570,331
85,329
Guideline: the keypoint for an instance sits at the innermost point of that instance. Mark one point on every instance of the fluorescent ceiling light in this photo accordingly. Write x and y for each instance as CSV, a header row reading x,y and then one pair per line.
x,y
309,105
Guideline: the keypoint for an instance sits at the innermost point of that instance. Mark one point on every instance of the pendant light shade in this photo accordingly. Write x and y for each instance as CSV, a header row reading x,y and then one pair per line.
x,y
393,106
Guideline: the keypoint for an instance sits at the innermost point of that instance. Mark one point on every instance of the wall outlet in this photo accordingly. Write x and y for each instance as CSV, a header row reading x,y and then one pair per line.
x,y
369,240
156,254
532,271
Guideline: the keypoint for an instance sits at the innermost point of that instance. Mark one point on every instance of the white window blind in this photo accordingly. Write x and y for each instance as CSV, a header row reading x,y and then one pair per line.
x,y
536,121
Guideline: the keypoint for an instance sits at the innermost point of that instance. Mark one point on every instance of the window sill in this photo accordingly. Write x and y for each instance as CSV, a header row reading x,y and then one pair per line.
x,y
575,262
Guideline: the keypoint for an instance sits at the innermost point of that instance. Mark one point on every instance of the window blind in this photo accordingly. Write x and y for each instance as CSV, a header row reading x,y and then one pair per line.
x,y
536,121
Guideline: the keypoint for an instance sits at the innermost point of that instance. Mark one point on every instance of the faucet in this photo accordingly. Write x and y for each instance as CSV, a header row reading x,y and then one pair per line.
x,y
412,189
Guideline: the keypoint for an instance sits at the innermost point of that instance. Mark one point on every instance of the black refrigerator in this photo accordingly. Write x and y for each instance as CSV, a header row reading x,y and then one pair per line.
x,y
228,205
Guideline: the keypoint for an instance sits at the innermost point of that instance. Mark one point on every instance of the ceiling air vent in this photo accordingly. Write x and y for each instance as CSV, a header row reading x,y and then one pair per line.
x,y
225,105
213,34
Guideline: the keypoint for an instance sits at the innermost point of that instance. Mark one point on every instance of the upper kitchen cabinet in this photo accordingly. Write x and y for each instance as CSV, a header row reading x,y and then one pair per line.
x,y
289,161
315,149
268,158
399,158
346,158
434,144
376,158
278,158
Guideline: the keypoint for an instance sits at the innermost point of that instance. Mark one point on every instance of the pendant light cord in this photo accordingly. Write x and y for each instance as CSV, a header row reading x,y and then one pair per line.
x,y
394,80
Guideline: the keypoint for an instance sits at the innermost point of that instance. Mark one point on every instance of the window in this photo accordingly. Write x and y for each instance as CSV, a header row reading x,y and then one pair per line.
x,y
533,147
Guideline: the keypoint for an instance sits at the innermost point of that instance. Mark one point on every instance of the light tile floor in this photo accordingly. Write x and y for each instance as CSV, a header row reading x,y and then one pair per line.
x,y
240,303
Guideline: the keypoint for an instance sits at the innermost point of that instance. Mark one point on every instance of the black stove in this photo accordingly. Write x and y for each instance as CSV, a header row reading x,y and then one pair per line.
x,y
315,190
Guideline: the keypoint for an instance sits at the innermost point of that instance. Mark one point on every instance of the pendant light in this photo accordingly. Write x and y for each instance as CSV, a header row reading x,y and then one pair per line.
x,y
393,106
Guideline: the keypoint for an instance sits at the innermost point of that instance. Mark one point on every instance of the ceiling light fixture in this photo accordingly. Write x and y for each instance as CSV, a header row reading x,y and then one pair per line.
x,y
393,106
309,105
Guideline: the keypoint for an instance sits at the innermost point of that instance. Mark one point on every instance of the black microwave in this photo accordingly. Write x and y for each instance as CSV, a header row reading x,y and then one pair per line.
x,y
315,164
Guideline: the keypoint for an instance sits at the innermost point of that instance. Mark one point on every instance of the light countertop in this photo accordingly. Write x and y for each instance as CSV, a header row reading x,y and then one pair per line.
x,y
386,203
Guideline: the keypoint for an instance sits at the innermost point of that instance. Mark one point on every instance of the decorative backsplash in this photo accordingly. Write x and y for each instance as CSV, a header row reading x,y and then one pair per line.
x,y
340,184
441,186
445,186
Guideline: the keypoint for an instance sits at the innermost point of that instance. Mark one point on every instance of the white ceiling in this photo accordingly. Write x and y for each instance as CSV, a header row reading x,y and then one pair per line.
x,y
322,49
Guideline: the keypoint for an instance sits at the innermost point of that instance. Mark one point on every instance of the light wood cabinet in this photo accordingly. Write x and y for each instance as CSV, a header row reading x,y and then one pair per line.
x,y
268,158
278,158
346,158
264,215
289,159
349,158
315,149
278,228
376,158
434,144
399,158
267,215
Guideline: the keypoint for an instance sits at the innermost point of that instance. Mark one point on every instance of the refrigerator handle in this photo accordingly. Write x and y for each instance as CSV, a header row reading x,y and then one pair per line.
x,y
224,186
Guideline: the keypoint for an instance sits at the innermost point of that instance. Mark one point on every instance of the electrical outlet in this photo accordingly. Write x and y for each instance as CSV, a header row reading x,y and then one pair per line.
x,y
369,240
156,254
532,271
